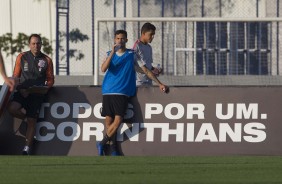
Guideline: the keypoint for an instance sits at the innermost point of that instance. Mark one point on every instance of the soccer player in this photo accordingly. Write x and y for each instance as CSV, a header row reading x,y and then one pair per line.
x,y
33,68
118,85
144,52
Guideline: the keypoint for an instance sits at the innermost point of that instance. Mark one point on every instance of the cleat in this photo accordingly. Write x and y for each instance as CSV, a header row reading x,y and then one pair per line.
x,y
25,151
114,151
100,149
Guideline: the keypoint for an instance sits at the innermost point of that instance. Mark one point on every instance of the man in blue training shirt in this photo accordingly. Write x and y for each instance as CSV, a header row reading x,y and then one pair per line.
x,y
118,85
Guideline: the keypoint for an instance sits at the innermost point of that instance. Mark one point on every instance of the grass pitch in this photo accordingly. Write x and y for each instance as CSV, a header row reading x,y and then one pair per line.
x,y
130,170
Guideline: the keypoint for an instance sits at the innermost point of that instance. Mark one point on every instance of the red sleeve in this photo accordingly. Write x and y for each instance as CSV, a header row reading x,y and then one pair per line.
x,y
50,73
17,69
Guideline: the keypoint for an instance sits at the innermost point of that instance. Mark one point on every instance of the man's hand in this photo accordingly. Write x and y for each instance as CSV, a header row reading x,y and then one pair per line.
x,y
10,82
152,76
164,88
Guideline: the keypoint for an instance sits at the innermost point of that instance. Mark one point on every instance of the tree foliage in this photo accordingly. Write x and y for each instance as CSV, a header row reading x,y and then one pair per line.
x,y
14,46
75,36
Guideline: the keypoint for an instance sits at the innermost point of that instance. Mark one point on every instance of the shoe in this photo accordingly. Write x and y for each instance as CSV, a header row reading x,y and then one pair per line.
x,y
25,151
100,149
114,151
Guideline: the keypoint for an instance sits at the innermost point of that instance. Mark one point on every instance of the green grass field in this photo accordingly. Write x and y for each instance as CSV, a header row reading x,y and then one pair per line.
x,y
129,170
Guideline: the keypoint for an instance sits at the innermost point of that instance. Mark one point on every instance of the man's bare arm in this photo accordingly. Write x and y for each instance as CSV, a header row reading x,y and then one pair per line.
x,y
162,87
150,75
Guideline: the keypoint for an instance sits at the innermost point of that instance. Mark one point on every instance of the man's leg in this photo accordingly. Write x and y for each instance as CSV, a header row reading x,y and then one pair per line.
x,y
31,124
108,121
113,145
111,130
32,112
112,141
14,109
114,126
100,145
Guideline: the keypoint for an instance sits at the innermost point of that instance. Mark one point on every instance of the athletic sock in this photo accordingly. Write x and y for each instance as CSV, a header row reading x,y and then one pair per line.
x,y
105,139
112,139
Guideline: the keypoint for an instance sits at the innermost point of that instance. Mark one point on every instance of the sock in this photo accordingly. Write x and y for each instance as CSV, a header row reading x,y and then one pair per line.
x,y
105,139
26,149
113,143
113,140
113,137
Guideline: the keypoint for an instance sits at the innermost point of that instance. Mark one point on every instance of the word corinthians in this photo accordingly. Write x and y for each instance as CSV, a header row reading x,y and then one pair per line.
x,y
252,132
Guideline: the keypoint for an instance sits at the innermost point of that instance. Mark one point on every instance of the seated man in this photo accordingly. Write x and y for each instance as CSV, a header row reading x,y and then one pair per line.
x,y
35,73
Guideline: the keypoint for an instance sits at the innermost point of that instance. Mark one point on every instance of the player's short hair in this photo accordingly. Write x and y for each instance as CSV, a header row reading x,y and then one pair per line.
x,y
117,32
147,27
36,36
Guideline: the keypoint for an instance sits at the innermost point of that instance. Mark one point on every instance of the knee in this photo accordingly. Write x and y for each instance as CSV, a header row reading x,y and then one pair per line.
x,y
12,109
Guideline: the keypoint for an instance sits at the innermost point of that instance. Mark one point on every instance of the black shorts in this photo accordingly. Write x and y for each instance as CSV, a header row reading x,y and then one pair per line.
x,y
31,104
114,105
